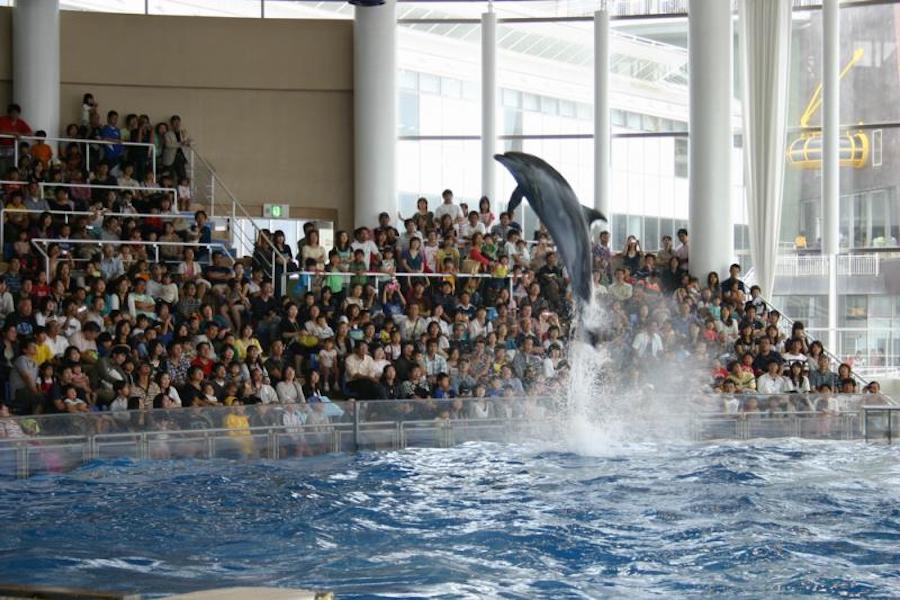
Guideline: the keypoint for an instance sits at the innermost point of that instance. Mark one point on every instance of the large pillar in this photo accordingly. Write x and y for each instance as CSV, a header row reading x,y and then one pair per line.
x,y
710,43
831,125
36,63
489,105
601,112
374,112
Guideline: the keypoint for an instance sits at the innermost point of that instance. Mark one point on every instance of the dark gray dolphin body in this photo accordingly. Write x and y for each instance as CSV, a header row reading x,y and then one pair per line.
x,y
556,205
590,214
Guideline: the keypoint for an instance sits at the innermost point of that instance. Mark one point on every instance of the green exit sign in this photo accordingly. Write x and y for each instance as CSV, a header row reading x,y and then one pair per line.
x,y
275,211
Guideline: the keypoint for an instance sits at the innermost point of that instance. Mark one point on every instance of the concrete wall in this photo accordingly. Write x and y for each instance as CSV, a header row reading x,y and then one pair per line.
x,y
268,102
5,57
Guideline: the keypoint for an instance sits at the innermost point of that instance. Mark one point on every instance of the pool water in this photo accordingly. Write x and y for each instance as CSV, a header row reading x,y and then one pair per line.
x,y
476,521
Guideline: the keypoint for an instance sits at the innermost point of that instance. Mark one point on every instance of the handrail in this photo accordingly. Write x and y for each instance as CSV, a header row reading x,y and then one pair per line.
x,y
151,147
407,274
378,276
788,325
208,245
805,265
235,207
94,186
102,214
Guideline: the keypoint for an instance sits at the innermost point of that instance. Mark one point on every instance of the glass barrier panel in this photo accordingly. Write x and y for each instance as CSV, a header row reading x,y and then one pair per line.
x,y
57,443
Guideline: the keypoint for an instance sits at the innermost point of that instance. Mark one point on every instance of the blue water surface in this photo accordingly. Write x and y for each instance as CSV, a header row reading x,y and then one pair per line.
x,y
482,520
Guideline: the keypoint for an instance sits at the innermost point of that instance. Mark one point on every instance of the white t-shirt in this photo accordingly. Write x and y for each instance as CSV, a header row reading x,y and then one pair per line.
x,y
766,384
368,247
447,209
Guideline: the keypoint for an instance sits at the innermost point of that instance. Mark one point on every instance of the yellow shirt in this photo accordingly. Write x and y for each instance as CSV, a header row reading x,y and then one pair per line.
x,y
241,347
241,423
240,428
443,253
44,353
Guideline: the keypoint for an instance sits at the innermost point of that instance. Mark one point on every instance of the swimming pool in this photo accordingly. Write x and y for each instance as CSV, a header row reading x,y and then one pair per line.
x,y
480,520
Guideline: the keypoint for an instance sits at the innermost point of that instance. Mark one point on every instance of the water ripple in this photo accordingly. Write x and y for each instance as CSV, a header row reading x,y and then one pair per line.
x,y
477,521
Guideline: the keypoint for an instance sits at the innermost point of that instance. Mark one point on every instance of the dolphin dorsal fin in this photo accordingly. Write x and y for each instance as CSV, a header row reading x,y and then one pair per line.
x,y
591,215
515,199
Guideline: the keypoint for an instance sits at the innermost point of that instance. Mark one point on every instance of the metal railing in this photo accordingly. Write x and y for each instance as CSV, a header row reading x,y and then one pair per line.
x,y
151,148
786,325
66,215
208,187
42,244
865,357
800,265
377,278
95,186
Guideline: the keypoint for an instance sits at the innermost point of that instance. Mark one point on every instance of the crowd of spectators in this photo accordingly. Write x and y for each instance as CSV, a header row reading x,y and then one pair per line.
x,y
443,304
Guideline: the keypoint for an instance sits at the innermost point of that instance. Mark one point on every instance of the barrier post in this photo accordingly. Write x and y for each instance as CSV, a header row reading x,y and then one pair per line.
x,y
356,427
22,454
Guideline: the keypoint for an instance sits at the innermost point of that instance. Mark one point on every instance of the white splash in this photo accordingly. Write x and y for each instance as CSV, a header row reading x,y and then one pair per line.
x,y
602,417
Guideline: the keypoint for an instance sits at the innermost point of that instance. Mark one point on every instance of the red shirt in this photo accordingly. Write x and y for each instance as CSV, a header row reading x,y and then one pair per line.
x,y
205,364
17,127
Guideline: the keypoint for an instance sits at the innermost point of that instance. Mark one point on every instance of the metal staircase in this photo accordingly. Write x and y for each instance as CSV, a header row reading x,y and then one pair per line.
x,y
227,214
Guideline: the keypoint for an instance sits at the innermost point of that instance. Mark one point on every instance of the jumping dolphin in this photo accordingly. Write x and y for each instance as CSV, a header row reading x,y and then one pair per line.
x,y
590,214
551,197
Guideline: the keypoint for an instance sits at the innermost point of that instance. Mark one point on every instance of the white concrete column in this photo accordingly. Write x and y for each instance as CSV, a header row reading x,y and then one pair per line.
x,y
831,131
375,112
601,112
36,63
489,106
710,43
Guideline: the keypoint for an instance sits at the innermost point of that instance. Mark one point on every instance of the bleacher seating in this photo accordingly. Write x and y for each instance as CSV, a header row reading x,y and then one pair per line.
x,y
117,298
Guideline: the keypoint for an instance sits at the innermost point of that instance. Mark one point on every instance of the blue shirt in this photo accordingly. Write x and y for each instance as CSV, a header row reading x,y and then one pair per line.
x,y
110,132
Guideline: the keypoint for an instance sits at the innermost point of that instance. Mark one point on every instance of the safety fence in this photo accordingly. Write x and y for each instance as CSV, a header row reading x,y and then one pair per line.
x,y
380,278
180,220
42,246
98,144
57,443
90,187
799,265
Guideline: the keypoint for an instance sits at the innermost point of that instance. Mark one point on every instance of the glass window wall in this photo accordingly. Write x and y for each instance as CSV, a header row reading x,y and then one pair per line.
x,y
870,155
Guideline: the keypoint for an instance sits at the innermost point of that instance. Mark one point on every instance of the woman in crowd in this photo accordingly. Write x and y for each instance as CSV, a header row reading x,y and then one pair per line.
x,y
313,250
799,381
342,246
631,255
485,214
289,389
671,277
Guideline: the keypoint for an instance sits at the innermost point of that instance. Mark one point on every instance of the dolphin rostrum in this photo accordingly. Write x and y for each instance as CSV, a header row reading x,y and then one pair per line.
x,y
590,215
551,197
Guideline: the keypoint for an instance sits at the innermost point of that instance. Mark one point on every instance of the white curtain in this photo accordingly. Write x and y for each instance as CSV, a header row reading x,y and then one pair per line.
x,y
765,34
